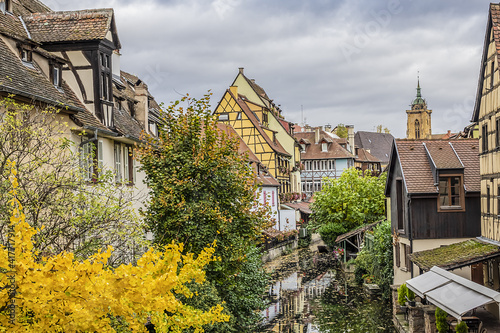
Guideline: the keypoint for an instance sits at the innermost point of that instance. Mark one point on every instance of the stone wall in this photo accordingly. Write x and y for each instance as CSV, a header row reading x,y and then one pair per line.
x,y
416,318
430,318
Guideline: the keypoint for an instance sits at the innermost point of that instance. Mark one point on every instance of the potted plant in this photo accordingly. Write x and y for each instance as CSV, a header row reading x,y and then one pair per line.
x,y
410,297
441,323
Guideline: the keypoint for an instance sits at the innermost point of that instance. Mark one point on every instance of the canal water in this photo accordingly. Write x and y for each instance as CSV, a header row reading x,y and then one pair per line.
x,y
310,294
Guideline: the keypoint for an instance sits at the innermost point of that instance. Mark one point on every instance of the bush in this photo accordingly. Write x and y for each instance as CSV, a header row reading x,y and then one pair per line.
x,y
441,324
462,327
402,292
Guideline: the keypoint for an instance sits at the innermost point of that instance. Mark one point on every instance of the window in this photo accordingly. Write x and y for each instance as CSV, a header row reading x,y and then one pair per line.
x,y
492,74
87,161
488,200
153,128
118,163
56,74
399,203
4,5
100,156
265,118
324,147
238,116
450,192
497,137
302,147
128,165
105,61
484,138
498,200
26,55
417,129
224,116
131,108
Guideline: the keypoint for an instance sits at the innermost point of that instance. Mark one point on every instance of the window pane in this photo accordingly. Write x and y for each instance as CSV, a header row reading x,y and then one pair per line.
x,y
455,185
443,186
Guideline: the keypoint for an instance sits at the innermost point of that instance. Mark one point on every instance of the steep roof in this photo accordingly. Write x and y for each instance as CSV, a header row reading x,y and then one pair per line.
x,y
417,168
19,79
365,156
493,23
69,26
379,144
314,151
274,144
26,7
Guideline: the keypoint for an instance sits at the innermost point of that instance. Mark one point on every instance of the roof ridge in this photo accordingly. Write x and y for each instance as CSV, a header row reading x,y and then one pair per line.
x,y
94,13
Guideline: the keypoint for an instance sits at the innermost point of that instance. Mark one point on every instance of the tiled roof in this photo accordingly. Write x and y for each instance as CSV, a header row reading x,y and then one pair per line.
x,y
82,25
302,206
127,125
313,150
365,156
11,26
26,7
417,168
454,255
495,20
379,144
19,79
443,155
275,145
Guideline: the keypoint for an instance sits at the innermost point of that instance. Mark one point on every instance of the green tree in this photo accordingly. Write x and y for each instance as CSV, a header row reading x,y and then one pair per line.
x,y
382,129
441,323
74,215
203,190
378,261
341,131
346,203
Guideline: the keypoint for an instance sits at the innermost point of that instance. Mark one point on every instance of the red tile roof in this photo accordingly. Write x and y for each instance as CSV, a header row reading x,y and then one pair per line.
x,y
82,25
313,150
416,165
365,156
443,155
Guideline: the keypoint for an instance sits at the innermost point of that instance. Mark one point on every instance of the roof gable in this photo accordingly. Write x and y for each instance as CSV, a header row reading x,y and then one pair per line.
x,y
379,144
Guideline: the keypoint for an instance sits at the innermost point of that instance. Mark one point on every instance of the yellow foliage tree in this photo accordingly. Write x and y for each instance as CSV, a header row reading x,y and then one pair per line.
x,y
61,294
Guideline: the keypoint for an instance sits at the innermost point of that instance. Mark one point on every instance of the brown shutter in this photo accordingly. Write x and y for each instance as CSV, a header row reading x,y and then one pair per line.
x,y
397,251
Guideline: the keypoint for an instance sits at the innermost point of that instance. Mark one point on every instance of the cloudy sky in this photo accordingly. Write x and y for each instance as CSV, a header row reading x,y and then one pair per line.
x,y
344,61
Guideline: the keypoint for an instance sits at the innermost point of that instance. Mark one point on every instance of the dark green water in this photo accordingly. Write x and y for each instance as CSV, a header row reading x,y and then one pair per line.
x,y
309,294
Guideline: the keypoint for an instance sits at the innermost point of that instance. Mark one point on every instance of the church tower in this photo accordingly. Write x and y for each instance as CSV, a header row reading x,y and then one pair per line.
x,y
419,118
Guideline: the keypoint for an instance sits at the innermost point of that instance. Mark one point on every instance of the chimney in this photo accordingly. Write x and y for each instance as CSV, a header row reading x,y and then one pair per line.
x,y
234,90
240,70
328,128
307,128
350,137
142,108
317,131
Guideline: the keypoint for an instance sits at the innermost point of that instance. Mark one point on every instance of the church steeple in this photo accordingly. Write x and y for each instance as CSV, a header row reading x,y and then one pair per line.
x,y
419,117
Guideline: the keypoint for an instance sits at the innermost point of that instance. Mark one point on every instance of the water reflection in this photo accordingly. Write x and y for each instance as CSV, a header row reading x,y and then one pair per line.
x,y
309,294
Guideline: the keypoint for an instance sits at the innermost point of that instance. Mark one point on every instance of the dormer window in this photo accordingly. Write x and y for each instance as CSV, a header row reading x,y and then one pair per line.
x,y
5,6
106,91
303,147
56,74
324,147
26,54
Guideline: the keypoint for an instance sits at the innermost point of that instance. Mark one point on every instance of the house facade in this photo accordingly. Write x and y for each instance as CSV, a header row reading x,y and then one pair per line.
x,y
434,191
322,157
486,115
71,61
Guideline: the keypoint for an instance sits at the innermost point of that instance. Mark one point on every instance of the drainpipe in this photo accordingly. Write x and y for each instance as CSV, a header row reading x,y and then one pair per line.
x,y
90,140
410,232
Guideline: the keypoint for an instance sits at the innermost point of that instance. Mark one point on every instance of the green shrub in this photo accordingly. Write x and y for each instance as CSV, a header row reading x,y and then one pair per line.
x,y
462,327
441,324
410,294
402,292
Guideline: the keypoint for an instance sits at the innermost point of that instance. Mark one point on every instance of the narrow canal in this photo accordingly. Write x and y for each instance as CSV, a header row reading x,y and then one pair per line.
x,y
309,294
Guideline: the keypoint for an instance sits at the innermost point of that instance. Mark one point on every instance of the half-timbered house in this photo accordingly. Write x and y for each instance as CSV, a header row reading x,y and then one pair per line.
x,y
434,190
70,60
322,157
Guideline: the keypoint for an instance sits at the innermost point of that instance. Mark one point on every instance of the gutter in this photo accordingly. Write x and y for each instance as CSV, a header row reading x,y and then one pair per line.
x,y
410,232
95,130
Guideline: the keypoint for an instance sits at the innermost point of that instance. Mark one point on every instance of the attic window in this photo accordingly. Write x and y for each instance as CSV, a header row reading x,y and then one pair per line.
x,y
56,74
26,55
303,147
224,116
5,6
324,147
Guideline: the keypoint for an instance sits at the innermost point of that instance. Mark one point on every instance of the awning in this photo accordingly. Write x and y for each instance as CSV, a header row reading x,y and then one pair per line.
x,y
452,293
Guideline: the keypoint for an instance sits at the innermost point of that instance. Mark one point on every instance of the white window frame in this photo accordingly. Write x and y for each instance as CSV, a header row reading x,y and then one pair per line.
x,y
118,162
87,161
100,155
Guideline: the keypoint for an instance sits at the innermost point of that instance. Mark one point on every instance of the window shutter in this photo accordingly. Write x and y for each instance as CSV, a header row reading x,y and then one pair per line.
x,y
265,197
272,196
397,251
134,168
